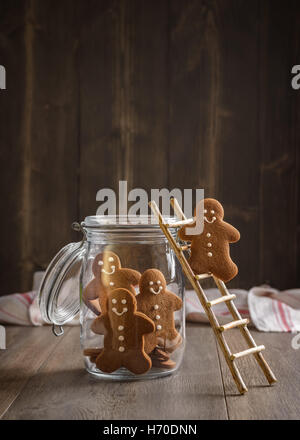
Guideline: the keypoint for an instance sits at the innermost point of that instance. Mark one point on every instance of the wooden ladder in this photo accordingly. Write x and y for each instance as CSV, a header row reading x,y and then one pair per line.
x,y
226,297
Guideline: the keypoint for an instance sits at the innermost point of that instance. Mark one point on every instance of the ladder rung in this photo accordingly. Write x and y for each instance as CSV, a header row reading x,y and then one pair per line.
x,y
180,223
202,276
246,352
233,324
185,247
220,300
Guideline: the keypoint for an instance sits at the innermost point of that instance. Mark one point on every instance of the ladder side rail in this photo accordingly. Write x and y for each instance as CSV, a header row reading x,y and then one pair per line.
x,y
247,335
203,300
177,209
234,312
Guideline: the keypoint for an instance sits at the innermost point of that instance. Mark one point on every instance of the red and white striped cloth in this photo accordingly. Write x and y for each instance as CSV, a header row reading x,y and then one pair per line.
x,y
268,309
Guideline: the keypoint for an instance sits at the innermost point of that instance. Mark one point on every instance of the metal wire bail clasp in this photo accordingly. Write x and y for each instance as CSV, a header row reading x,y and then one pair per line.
x,y
76,226
60,332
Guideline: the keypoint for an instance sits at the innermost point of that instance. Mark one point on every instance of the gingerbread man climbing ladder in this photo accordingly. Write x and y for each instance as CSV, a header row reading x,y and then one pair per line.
x,y
225,297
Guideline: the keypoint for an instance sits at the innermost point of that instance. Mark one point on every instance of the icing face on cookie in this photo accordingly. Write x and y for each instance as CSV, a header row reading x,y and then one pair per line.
x,y
213,211
155,287
110,263
115,310
106,263
120,303
153,281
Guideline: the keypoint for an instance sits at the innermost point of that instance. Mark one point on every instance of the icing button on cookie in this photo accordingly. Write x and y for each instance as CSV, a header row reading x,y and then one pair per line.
x,y
121,348
156,307
158,327
209,245
208,234
157,317
209,254
121,338
120,328
111,283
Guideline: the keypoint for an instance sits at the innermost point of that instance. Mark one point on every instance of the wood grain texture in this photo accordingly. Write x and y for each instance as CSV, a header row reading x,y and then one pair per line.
x,y
42,377
147,166
295,131
27,349
52,202
191,94
12,116
194,59
100,148
61,389
238,109
279,180
123,98
278,402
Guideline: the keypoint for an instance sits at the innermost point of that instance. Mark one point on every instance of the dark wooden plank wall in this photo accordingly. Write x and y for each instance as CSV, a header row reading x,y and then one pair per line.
x,y
187,94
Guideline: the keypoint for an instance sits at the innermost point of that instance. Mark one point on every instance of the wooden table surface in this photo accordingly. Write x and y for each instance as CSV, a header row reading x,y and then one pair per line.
x,y
42,377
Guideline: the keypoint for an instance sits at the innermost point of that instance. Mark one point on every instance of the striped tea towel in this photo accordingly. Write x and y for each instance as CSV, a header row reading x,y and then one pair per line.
x,y
269,309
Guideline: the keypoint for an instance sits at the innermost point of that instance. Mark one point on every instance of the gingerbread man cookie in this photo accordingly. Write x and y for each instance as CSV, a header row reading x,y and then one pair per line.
x,y
159,304
109,275
124,338
210,249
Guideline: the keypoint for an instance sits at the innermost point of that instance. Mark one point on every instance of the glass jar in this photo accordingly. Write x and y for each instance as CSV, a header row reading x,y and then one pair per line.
x,y
128,286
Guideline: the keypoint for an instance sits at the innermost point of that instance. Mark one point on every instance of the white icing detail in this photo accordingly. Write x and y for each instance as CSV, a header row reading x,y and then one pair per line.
x,y
100,263
156,292
209,254
120,313
212,211
113,268
205,211
158,327
208,234
111,283
123,301
114,301
110,259
209,244
156,307
121,348
121,327
210,221
150,283
157,317
158,282
121,338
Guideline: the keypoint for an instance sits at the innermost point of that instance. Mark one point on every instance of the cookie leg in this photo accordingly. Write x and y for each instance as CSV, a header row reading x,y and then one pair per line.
x,y
225,272
108,361
149,342
197,266
171,342
92,353
137,362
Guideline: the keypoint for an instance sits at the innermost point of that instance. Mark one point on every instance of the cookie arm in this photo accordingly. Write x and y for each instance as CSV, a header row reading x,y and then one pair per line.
x,y
99,325
132,276
232,234
176,301
90,294
182,234
144,323
90,291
